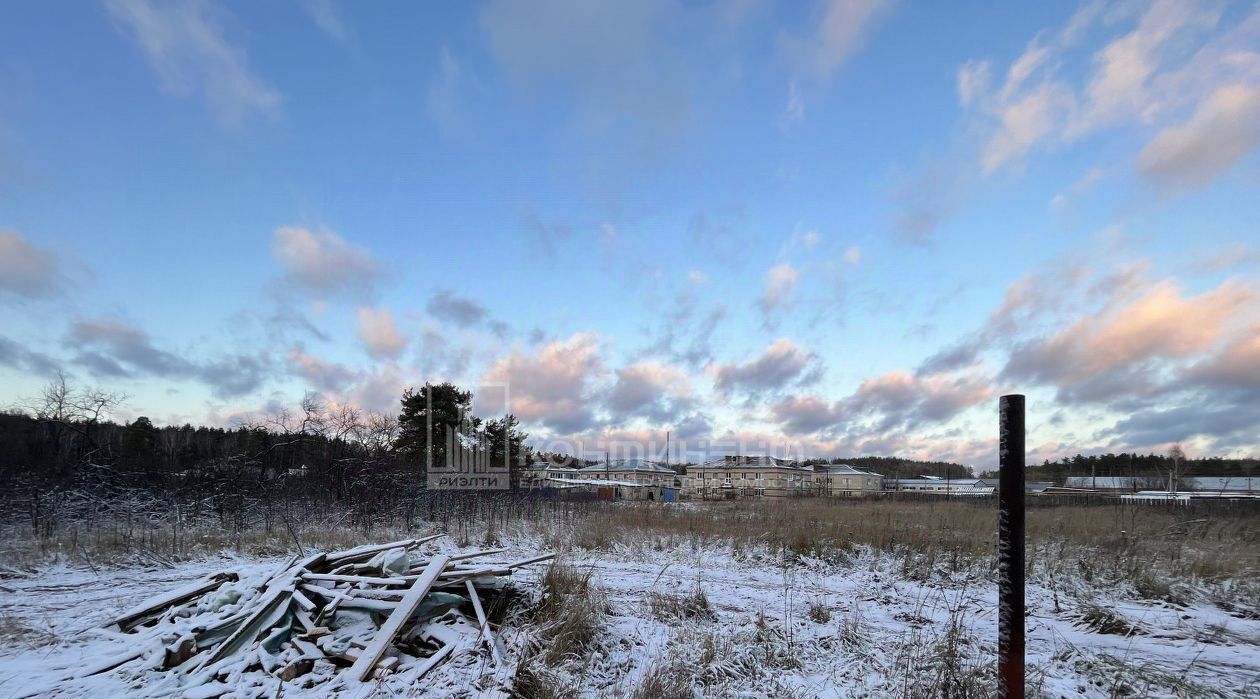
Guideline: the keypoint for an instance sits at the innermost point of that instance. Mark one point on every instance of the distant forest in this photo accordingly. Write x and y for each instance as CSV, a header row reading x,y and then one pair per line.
x,y
61,457
896,467
1138,465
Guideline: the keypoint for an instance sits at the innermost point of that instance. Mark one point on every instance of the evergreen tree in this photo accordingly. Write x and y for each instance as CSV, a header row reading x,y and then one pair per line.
x,y
506,442
139,445
429,417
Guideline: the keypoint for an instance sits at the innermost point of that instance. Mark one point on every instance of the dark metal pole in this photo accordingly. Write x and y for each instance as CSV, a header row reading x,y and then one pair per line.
x,y
1011,547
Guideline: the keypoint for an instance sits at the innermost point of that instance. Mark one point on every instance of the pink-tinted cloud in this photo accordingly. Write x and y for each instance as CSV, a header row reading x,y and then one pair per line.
x,y
554,386
379,334
26,269
324,264
783,364
1161,323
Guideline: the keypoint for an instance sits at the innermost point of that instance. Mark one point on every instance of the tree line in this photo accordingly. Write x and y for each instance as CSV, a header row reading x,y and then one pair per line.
x,y
61,450
1143,466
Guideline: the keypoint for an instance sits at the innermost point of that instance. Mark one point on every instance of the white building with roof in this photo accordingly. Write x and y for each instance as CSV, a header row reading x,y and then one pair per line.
x,y
845,481
750,476
941,486
631,479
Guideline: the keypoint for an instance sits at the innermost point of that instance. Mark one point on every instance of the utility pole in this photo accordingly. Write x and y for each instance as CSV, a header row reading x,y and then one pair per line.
x,y
1011,547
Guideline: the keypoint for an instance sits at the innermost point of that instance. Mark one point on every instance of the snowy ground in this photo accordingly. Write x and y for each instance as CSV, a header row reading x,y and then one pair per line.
x,y
858,626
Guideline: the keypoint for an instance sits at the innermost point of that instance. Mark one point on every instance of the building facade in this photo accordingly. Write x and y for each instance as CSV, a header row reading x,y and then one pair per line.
x,y
630,479
941,486
844,481
750,476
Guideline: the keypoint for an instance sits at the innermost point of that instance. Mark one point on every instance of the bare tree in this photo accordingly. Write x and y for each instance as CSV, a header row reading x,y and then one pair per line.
x,y
1174,474
62,407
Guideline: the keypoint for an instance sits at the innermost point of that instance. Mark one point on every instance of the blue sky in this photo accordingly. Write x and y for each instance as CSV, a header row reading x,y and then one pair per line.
x,y
838,227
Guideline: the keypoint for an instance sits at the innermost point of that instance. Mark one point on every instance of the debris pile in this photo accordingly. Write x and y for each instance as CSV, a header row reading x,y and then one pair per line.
x,y
342,618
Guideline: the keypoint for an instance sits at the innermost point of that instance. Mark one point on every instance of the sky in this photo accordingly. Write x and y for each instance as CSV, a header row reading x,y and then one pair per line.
x,y
826,228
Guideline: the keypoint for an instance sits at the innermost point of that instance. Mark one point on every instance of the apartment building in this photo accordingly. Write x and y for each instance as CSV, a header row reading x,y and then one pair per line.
x,y
750,476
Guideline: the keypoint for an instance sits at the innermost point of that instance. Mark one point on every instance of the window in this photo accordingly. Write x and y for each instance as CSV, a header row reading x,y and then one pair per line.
x,y
759,476
759,492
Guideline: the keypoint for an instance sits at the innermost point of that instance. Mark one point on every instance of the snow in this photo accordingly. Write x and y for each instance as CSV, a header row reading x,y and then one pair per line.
x,y
880,624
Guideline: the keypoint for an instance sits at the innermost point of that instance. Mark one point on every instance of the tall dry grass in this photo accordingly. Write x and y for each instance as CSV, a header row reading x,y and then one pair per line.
x,y
1132,542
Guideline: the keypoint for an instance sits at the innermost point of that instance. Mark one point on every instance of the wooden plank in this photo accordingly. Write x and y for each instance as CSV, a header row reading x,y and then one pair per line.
x,y
328,593
278,572
486,633
467,555
303,620
430,663
366,552
366,579
362,667
476,573
326,614
308,649
267,614
373,605
114,661
303,601
530,561
160,603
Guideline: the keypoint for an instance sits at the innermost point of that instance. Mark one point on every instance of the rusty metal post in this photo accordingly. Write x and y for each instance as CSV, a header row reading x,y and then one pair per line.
x,y
1011,547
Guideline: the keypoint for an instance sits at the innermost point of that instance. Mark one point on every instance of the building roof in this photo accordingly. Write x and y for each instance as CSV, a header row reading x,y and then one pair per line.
x,y
1222,483
952,482
752,461
549,466
1109,482
630,465
845,470
596,482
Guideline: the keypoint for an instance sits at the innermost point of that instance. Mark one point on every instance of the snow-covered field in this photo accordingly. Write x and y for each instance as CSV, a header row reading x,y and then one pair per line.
x,y
860,624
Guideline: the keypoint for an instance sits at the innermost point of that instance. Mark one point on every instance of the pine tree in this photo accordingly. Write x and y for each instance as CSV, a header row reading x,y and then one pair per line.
x,y
428,416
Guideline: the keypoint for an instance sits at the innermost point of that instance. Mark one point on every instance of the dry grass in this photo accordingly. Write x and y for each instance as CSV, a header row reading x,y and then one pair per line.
x,y
664,680
533,681
1105,542
569,615
819,612
671,607
15,631
1100,619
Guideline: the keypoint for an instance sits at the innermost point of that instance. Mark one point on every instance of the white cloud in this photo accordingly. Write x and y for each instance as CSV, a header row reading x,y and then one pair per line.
x,y
1223,129
781,365
26,270
974,80
185,43
553,386
781,281
839,33
322,375
650,388
444,101
323,263
1024,122
1120,89
1167,63
379,333
794,110
328,18
842,27
853,255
